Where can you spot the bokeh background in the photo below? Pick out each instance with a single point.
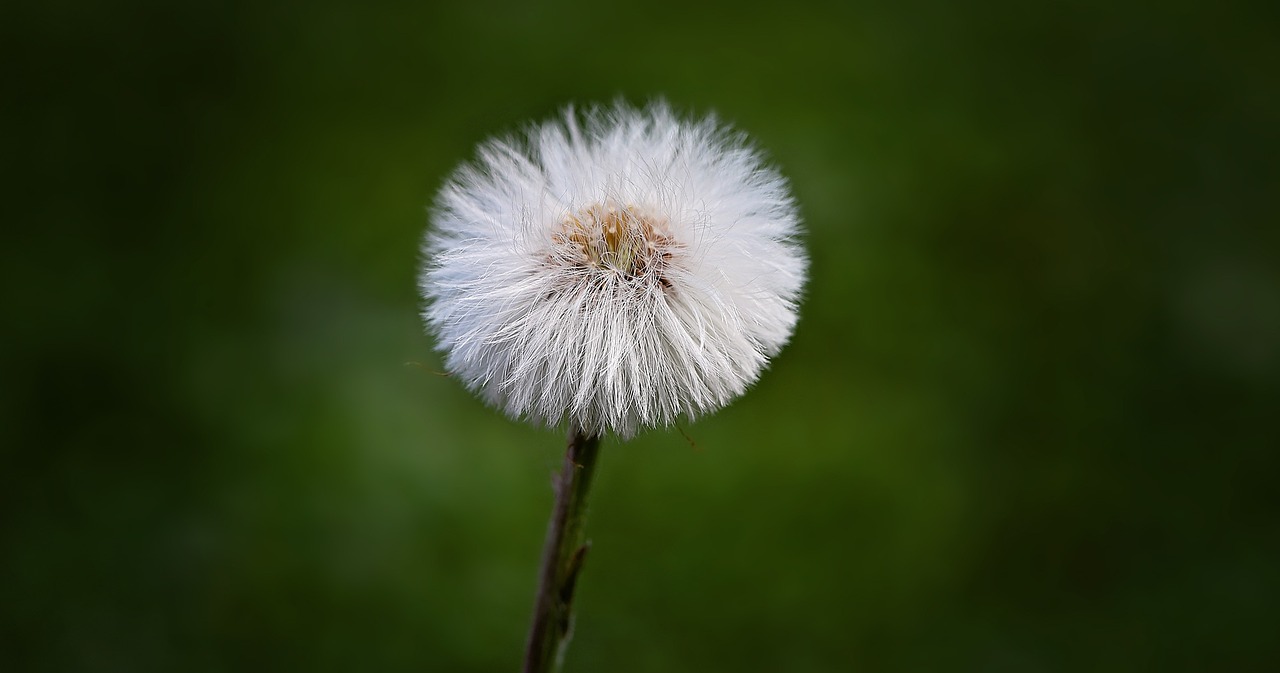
(1027, 422)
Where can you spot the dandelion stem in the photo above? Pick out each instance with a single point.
(562, 557)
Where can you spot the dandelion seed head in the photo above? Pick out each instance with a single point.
(616, 269)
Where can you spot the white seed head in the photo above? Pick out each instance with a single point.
(616, 269)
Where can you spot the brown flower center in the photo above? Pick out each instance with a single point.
(620, 238)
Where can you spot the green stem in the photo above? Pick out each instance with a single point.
(562, 557)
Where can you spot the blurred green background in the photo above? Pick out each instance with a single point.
(1027, 422)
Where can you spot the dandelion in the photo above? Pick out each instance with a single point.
(615, 270)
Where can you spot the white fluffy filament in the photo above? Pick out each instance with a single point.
(617, 270)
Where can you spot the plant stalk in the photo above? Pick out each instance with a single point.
(562, 556)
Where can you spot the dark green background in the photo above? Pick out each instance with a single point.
(1027, 421)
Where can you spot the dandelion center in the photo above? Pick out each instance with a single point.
(622, 239)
